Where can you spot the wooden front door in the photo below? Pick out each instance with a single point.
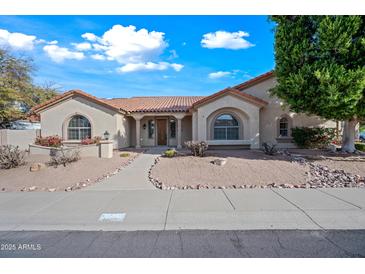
(161, 132)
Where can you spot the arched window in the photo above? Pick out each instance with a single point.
(284, 127)
(79, 128)
(226, 127)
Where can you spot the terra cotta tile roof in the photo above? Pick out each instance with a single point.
(155, 103)
(159, 103)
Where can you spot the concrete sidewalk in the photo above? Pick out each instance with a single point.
(142, 209)
(132, 177)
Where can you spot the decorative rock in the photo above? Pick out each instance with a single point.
(32, 188)
(52, 189)
(36, 167)
(219, 162)
(68, 189)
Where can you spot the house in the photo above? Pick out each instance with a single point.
(243, 116)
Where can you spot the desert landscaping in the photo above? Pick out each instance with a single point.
(73, 176)
(254, 169)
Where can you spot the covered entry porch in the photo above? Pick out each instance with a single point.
(160, 129)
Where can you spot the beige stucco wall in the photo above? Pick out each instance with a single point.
(270, 114)
(54, 120)
(20, 138)
(246, 112)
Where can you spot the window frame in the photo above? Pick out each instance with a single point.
(226, 128)
(286, 128)
(151, 128)
(78, 128)
(172, 130)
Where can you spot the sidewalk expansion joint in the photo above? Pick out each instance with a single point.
(298, 207)
(338, 198)
(230, 202)
(167, 210)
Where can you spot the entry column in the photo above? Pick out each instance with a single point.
(179, 117)
(138, 118)
(138, 132)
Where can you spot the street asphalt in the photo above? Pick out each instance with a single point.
(185, 244)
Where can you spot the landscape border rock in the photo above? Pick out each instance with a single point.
(319, 176)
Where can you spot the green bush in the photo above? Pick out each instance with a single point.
(124, 154)
(170, 153)
(317, 137)
(360, 146)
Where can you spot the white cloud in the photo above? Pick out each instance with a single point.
(219, 74)
(89, 36)
(15, 40)
(82, 46)
(128, 45)
(59, 54)
(98, 57)
(227, 40)
(149, 66)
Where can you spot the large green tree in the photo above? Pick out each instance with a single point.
(320, 68)
(17, 91)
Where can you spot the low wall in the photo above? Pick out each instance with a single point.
(102, 150)
(20, 138)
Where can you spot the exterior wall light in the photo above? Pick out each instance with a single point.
(106, 135)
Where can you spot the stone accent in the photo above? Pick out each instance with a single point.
(219, 162)
(318, 177)
(37, 167)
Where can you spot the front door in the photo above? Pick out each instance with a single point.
(161, 132)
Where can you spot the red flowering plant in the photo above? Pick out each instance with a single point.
(49, 141)
(90, 141)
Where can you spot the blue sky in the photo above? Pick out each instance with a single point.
(125, 56)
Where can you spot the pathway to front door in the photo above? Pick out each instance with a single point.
(133, 176)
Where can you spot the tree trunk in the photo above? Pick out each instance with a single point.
(348, 137)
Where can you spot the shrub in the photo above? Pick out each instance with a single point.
(305, 137)
(64, 157)
(197, 148)
(11, 157)
(360, 146)
(90, 141)
(49, 141)
(124, 154)
(269, 149)
(170, 153)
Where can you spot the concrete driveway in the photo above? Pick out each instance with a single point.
(246, 209)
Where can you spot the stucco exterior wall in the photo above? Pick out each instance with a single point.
(20, 138)
(54, 120)
(247, 113)
(271, 114)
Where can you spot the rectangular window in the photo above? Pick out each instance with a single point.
(85, 133)
(172, 128)
(232, 133)
(220, 133)
(151, 128)
(73, 134)
(283, 130)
